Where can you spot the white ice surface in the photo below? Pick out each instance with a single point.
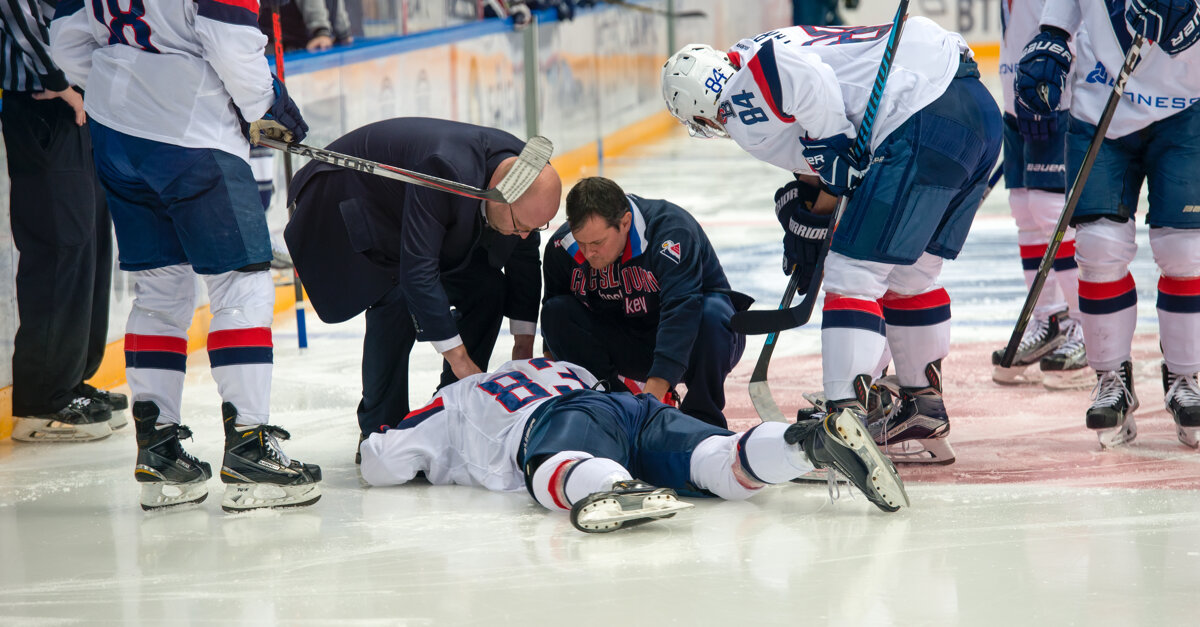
(76, 549)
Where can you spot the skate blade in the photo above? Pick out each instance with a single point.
(241, 497)
(1029, 374)
(1077, 379)
(1117, 436)
(161, 494)
(605, 515)
(819, 475)
(889, 493)
(118, 420)
(46, 430)
(935, 451)
(1189, 436)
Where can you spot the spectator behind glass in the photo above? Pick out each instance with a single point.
(311, 25)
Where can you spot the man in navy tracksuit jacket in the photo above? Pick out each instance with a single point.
(634, 288)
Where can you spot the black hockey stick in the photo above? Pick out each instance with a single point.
(771, 321)
(625, 4)
(760, 390)
(530, 162)
(301, 327)
(1132, 58)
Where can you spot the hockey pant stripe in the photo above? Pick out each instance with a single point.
(1179, 294)
(1105, 298)
(852, 313)
(921, 310)
(160, 352)
(1064, 257)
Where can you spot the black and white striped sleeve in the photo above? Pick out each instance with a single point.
(25, 52)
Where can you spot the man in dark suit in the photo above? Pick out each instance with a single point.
(424, 264)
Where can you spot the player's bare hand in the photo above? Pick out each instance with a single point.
(460, 362)
(522, 347)
(71, 97)
(319, 43)
(658, 387)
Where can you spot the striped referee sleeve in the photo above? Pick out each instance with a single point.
(25, 63)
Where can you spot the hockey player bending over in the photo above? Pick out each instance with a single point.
(612, 460)
(169, 88)
(793, 97)
(1153, 138)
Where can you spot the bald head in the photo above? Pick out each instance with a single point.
(539, 204)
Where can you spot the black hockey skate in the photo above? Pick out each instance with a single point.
(876, 398)
(1066, 367)
(115, 400)
(256, 472)
(80, 421)
(1111, 413)
(628, 504)
(1040, 339)
(1181, 393)
(168, 474)
(840, 441)
(916, 430)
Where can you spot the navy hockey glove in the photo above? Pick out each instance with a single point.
(830, 158)
(1042, 71)
(1172, 24)
(1035, 127)
(284, 113)
(804, 231)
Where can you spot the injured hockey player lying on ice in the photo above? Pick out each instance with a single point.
(611, 460)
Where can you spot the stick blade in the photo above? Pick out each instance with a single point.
(534, 156)
(764, 403)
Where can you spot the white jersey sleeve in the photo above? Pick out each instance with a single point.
(470, 432)
(815, 81)
(1161, 86)
(170, 70)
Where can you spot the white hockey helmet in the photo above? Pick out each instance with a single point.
(692, 80)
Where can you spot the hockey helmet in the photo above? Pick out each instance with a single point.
(692, 80)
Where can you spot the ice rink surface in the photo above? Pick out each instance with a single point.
(1033, 525)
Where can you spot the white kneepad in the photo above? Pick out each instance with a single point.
(1176, 251)
(1104, 248)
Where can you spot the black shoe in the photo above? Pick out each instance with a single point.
(840, 441)
(628, 504)
(1112, 407)
(115, 400)
(79, 421)
(258, 474)
(168, 474)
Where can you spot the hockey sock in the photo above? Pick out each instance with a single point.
(735, 467)
(1108, 312)
(239, 341)
(156, 337)
(569, 476)
(852, 341)
(1179, 322)
(918, 332)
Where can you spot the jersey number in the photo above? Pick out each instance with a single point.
(833, 35)
(514, 390)
(119, 20)
(749, 114)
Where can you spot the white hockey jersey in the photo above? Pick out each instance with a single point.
(168, 70)
(469, 434)
(816, 80)
(1020, 21)
(1161, 85)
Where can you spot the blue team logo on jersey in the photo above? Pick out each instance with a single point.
(671, 251)
(724, 112)
(1099, 75)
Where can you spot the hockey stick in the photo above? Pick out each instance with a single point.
(771, 321)
(1132, 58)
(625, 4)
(301, 327)
(530, 162)
(760, 390)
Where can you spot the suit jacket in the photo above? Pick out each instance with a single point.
(355, 236)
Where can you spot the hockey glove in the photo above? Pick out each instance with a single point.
(1042, 71)
(1034, 127)
(804, 231)
(284, 112)
(830, 159)
(1173, 24)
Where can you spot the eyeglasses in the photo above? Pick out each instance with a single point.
(516, 229)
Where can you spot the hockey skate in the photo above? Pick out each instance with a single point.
(1066, 367)
(1041, 338)
(875, 397)
(916, 430)
(1111, 413)
(168, 474)
(1181, 393)
(840, 442)
(256, 472)
(79, 421)
(627, 504)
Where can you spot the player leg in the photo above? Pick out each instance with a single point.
(715, 352)
(1172, 157)
(219, 220)
(1104, 248)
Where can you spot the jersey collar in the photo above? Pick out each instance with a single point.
(636, 245)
